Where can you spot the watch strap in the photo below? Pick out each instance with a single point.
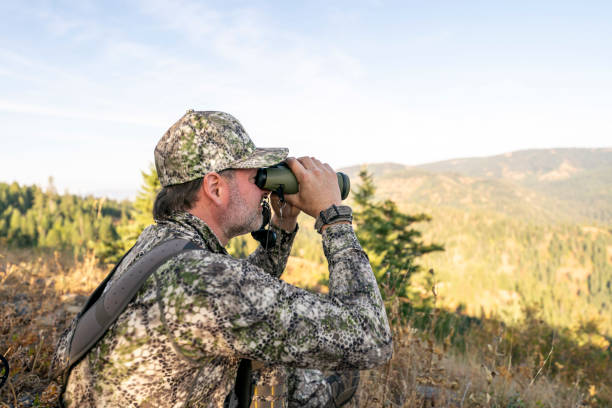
(332, 215)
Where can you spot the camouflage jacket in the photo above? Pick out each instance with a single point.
(180, 340)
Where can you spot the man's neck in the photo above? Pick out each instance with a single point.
(211, 222)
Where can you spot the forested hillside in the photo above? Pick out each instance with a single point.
(33, 217)
(528, 228)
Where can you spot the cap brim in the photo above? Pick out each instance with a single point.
(262, 157)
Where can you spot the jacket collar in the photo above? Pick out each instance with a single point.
(193, 225)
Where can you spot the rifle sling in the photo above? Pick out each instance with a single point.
(103, 308)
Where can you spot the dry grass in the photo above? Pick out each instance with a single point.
(424, 373)
(41, 292)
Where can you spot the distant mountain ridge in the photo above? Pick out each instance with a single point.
(544, 165)
(562, 185)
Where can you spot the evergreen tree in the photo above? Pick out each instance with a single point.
(54, 237)
(389, 239)
(143, 205)
(14, 230)
(142, 215)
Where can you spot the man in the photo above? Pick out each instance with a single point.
(182, 338)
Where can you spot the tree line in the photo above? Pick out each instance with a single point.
(33, 217)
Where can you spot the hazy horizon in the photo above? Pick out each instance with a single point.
(130, 194)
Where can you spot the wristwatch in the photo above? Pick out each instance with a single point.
(332, 215)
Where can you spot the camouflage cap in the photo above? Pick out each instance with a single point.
(201, 142)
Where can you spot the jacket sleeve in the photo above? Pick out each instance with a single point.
(274, 260)
(218, 305)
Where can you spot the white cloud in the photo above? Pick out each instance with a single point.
(257, 49)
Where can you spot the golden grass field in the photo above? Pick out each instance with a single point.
(41, 292)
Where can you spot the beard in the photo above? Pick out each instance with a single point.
(239, 219)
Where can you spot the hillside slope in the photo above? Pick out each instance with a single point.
(526, 228)
(581, 178)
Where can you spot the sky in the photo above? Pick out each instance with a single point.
(87, 88)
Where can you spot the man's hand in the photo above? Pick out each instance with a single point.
(285, 215)
(318, 186)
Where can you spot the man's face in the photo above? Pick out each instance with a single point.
(244, 212)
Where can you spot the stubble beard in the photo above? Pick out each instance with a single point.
(239, 219)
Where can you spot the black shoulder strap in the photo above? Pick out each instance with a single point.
(242, 393)
(244, 386)
(102, 309)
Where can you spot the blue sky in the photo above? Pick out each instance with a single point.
(87, 88)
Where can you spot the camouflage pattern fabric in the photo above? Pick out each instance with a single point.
(180, 340)
(308, 388)
(201, 142)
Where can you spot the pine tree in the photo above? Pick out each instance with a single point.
(142, 216)
(14, 229)
(143, 205)
(389, 239)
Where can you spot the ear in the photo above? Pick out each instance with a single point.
(214, 188)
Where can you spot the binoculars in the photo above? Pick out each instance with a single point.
(280, 179)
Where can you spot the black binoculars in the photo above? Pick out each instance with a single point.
(280, 179)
